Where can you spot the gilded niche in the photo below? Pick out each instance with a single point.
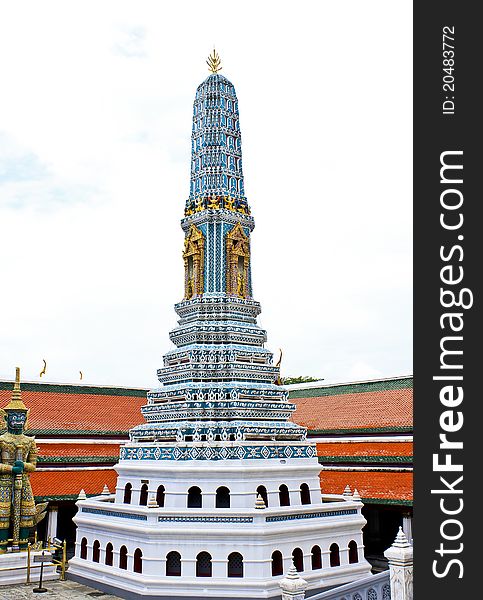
(237, 262)
(193, 256)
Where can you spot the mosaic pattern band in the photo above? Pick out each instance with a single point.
(311, 515)
(183, 453)
(114, 513)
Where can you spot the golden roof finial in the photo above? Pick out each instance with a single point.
(214, 62)
(16, 393)
(16, 402)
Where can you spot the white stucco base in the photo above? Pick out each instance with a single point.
(13, 568)
(252, 532)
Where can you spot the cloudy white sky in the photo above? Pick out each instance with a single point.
(95, 123)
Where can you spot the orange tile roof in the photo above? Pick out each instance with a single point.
(365, 449)
(70, 482)
(364, 410)
(68, 450)
(52, 411)
(74, 408)
(387, 485)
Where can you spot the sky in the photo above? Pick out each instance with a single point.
(95, 125)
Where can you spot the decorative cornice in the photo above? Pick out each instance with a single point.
(218, 216)
(388, 501)
(366, 459)
(65, 460)
(354, 388)
(361, 430)
(60, 388)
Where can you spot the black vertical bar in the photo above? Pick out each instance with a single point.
(41, 571)
(446, 119)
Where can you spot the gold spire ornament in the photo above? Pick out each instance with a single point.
(16, 402)
(214, 62)
(44, 370)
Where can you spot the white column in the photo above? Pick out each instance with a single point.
(408, 526)
(52, 521)
(400, 557)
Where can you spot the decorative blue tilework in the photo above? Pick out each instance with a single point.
(183, 453)
(205, 519)
(114, 513)
(313, 515)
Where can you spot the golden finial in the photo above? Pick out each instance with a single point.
(43, 371)
(16, 394)
(16, 402)
(214, 62)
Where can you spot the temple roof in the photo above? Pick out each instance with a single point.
(390, 487)
(66, 484)
(366, 412)
(79, 410)
(384, 405)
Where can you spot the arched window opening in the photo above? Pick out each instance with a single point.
(96, 551)
(127, 493)
(304, 494)
(316, 558)
(173, 564)
(222, 497)
(353, 554)
(235, 565)
(160, 495)
(203, 565)
(143, 497)
(277, 563)
(83, 552)
(262, 490)
(334, 555)
(123, 557)
(194, 497)
(298, 559)
(284, 495)
(138, 561)
(109, 555)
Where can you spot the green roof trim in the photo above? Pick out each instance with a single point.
(73, 432)
(61, 497)
(389, 501)
(77, 459)
(366, 459)
(60, 388)
(356, 430)
(354, 388)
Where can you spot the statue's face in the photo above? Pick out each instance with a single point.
(16, 421)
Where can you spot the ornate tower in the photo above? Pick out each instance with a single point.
(218, 491)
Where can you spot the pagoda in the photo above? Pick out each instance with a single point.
(218, 491)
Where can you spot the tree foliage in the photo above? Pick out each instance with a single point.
(300, 379)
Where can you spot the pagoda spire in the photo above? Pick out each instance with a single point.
(216, 180)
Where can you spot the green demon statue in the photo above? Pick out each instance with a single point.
(18, 458)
